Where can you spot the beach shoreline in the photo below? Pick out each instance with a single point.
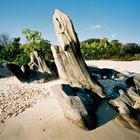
(44, 119)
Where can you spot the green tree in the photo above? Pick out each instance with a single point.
(12, 50)
(34, 42)
(131, 49)
(115, 43)
(32, 36)
(4, 40)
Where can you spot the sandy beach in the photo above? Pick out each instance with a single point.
(32, 112)
(121, 66)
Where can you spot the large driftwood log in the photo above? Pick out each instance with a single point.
(70, 64)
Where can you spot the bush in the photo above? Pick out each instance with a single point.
(16, 52)
(103, 49)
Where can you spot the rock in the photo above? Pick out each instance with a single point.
(37, 71)
(26, 70)
(4, 72)
(15, 70)
(38, 63)
(135, 96)
(41, 70)
(128, 122)
(68, 58)
(111, 74)
(76, 105)
(128, 105)
(134, 81)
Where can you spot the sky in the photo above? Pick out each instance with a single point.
(114, 19)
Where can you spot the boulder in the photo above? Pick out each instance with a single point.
(134, 81)
(76, 105)
(68, 58)
(128, 105)
(4, 72)
(26, 70)
(37, 71)
(41, 70)
(15, 70)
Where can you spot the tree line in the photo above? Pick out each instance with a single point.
(12, 50)
(115, 50)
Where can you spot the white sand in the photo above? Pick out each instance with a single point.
(45, 121)
(122, 66)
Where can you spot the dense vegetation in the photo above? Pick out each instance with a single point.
(12, 50)
(103, 49)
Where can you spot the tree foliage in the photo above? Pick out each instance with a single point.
(4, 40)
(20, 53)
(10, 52)
(13, 50)
(34, 43)
(103, 49)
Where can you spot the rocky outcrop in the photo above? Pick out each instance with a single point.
(41, 70)
(134, 81)
(128, 105)
(4, 72)
(70, 64)
(106, 73)
(37, 71)
(15, 70)
(38, 63)
(76, 105)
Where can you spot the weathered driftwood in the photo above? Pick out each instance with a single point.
(70, 64)
(76, 105)
(129, 108)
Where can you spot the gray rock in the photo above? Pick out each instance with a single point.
(77, 106)
(128, 105)
(134, 81)
(4, 72)
(15, 70)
